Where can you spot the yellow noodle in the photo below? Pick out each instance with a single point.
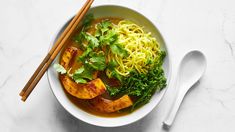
(140, 46)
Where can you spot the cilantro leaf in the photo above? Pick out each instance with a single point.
(78, 38)
(80, 80)
(81, 74)
(87, 74)
(80, 70)
(115, 74)
(119, 50)
(97, 61)
(105, 37)
(85, 54)
(109, 38)
(112, 64)
(111, 67)
(104, 26)
(87, 20)
(93, 41)
(59, 68)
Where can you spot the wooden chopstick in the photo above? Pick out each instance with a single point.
(52, 49)
(54, 52)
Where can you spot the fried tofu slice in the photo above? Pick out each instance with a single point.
(109, 106)
(89, 90)
(67, 56)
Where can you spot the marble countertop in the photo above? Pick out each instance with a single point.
(27, 28)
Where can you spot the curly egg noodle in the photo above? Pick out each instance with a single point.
(141, 48)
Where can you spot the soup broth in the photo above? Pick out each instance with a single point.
(132, 69)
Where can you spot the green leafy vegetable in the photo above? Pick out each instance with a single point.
(142, 86)
(112, 64)
(81, 74)
(112, 91)
(119, 50)
(78, 38)
(111, 67)
(116, 75)
(85, 54)
(80, 80)
(108, 36)
(87, 20)
(97, 61)
(103, 27)
(59, 68)
(93, 41)
(105, 36)
(80, 70)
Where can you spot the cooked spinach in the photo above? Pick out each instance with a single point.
(142, 86)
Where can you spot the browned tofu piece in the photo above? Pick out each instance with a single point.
(89, 90)
(67, 56)
(108, 106)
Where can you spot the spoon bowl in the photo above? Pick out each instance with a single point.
(191, 68)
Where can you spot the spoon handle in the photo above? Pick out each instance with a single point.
(179, 98)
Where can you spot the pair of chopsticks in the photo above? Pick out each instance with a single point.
(42, 68)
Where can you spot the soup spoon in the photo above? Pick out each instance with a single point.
(190, 71)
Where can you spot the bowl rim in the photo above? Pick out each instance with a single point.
(58, 31)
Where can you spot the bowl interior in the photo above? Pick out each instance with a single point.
(121, 12)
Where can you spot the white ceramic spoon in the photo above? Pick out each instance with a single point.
(190, 71)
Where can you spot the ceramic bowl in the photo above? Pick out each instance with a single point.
(57, 89)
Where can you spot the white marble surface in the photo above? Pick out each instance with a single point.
(27, 28)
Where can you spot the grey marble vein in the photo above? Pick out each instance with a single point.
(227, 40)
(5, 81)
(222, 92)
(20, 67)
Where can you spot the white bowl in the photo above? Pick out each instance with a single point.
(126, 13)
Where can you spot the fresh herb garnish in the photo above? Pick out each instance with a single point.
(105, 37)
(59, 68)
(113, 73)
(103, 27)
(87, 20)
(81, 74)
(112, 64)
(93, 42)
(97, 61)
(119, 50)
(109, 37)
